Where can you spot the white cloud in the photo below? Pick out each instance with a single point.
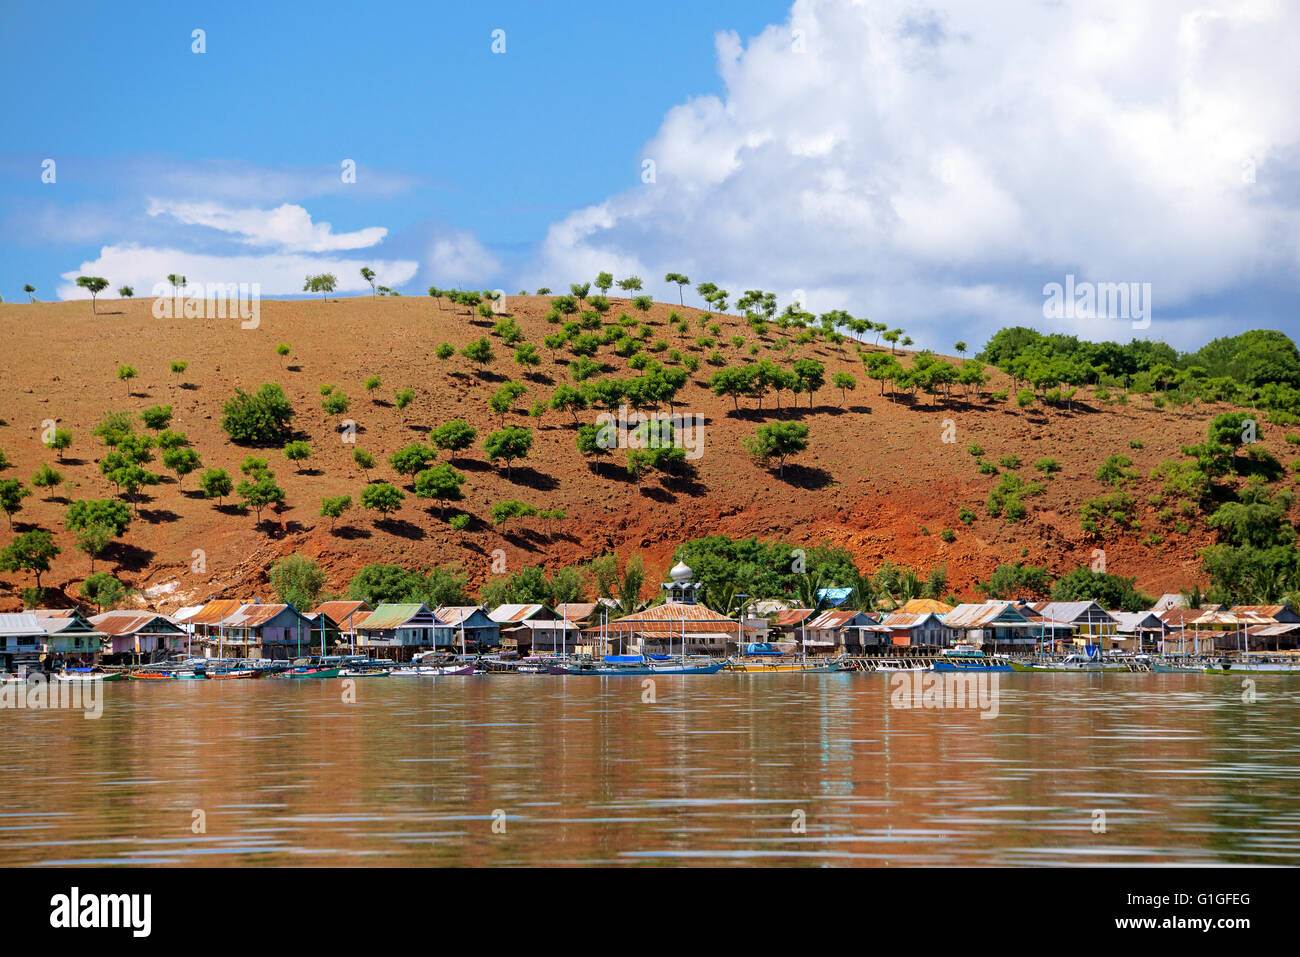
(938, 166)
(287, 226)
(278, 273)
(458, 260)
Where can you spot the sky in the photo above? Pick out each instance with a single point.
(934, 166)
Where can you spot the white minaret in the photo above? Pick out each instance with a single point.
(681, 589)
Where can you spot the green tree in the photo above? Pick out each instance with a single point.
(479, 352)
(59, 440)
(778, 440)
(182, 460)
(46, 477)
(333, 507)
(12, 493)
(94, 538)
(846, 383)
(442, 482)
(297, 581)
(126, 373)
(103, 591)
(93, 285)
(259, 491)
(512, 442)
(157, 417)
(216, 483)
(297, 452)
(323, 284)
(682, 281)
(382, 497)
(30, 552)
(261, 418)
(454, 436)
(368, 275)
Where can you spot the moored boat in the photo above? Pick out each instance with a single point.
(626, 665)
(964, 657)
(781, 665)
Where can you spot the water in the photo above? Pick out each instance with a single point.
(724, 769)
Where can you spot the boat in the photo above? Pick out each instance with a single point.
(313, 672)
(364, 673)
(233, 673)
(1253, 665)
(433, 671)
(783, 665)
(1079, 662)
(962, 658)
(624, 665)
(161, 675)
(88, 674)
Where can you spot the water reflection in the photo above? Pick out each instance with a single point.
(810, 769)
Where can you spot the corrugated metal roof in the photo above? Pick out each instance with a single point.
(791, 618)
(505, 613)
(187, 612)
(215, 612)
(834, 618)
(20, 624)
(983, 614)
(396, 615)
(256, 615)
(455, 614)
(338, 611)
(576, 611)
(53, 612)
(135, 622)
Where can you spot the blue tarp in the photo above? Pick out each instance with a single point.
(761, 648)
(833, 596)
(623, 659)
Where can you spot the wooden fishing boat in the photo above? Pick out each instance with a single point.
(160, 675)
(313, 672)
(363, 673)
(434, 671)
(623, 665)
(233, 673)
(1254, 665)
(964, 658)
(782, 666)
(88, 674)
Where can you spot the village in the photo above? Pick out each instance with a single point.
(239, 629)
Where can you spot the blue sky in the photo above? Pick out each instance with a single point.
(932, 165)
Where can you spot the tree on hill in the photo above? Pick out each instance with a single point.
(297, 452)
(94, 285)
(383, 498)
(454, 436)
(442, 482)
(364, 461)
(297, 580)
(368, 275)
(479, 352)
(512, 442)
(261, 418)
(323, 284)
(410, 459)
(682, 281)
(103, 591)
(30, 290)
(604, 281)
(182, 460)
(503, 400)
(811, 375)
(845, 382)
(125, 373)
(12, 493)
(630, 284)
(779, 441)
(59, 440)
(260, 491)
(216, 483)
(30, 552)
(1107, 590)
(333, 507)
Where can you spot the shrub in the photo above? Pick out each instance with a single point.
(1047, 466)
(258, 419)
(966, 516)
(459, 522)
(975, 450)
(948, 535)
(1107, 513)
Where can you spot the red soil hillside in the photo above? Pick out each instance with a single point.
(876, 476)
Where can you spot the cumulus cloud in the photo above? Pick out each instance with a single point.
(279, 273)
(287, 226)
(935, 166)
(458, 259)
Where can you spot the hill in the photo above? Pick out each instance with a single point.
(878, 477)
